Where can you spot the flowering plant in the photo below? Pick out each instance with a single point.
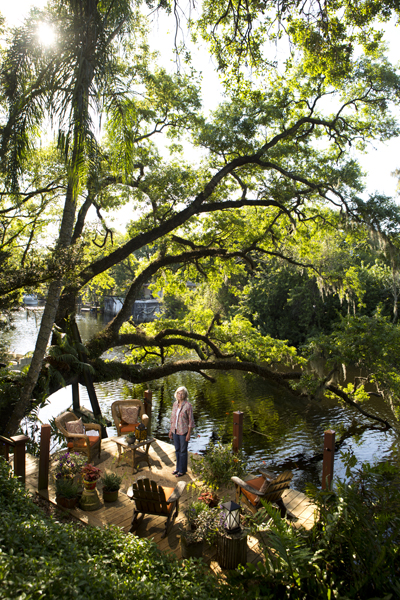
(90, 472)
(192, 512)
(68, 465)
(204, 527)
(209, 497)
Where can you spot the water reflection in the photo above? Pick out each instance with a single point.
(277, 426)
(22, 338)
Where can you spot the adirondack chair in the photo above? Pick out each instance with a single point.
(268, 487)
(153, 499)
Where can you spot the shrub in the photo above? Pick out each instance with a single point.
(41, 558)
(351, 553)
(218, 465)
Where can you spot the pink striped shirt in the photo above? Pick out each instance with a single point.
(185, 417)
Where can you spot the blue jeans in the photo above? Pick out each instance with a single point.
(181, 449)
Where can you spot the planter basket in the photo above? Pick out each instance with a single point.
(192, 550)
(66, 502)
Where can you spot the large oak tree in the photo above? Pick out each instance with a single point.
(271, 159)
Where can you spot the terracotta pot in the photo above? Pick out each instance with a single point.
(110, 496)
(66, 502)
(214, 502)
(89, 485)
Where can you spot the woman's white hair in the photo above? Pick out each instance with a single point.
(182, 389)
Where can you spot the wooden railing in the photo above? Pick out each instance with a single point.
(18, 443)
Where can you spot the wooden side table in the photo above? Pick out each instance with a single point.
(232, 549)
(139, 451)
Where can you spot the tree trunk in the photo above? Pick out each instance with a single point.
(53, 297)
(22, 408)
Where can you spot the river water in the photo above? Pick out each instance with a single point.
(277, 426)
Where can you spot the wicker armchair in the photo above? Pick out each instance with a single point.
(122, 426)
(79, 442)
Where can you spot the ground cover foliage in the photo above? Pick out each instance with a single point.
(352, 553)
(42, 558)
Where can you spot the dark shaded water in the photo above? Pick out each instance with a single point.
(286, 426)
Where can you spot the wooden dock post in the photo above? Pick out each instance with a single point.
(44, 457)
(329, 455)
(19, 455)
(237, 430)
(148, 407)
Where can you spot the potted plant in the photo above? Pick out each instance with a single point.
(192, 512)
(130, 437)
(111, 484)
(90, 475)
(67, 493)
(202, 526)
(69, 466)
(218, 465)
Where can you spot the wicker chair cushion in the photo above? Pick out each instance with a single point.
(74, 426)
(128, 428)
(93, 439)
(129, 414)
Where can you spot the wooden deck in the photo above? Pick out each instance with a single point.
(119, 513)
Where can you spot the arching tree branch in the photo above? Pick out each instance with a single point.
(348, 400)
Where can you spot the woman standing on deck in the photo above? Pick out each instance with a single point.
(182, 423)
